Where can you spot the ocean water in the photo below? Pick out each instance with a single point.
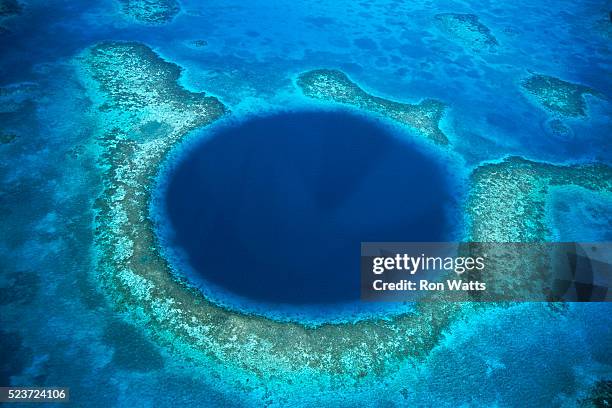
(58, 329)
(274, 208)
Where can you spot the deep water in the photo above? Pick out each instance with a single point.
(274, 209)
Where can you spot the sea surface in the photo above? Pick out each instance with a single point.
(57, 328)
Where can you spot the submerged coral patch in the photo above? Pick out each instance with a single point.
(15, 356)
(131, 349)
(467, 30)
(18, 287)
(335, 86)
(556, 95)
(9, 8)
(6, 138)
(567, 204)
(600, 395)
(15, 101)
(151, 11)
(16, 96)
(557, 128)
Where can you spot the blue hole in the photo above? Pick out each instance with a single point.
(274, 209)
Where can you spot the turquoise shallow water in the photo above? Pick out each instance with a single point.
(58, 329)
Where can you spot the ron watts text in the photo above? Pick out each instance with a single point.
(425, 285)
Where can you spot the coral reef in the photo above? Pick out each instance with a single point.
(508, 203)
(132, 87)
(466, 30)
(508, 199)
(142, 112)
(333, 85)
(151, 11)
(557, 96)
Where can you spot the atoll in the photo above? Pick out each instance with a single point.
(141, 113)
(466, 30)
(558, 96)
(336, 86)
(151, 11)
(131, 87)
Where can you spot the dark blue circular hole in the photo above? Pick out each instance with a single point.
(274, 209)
